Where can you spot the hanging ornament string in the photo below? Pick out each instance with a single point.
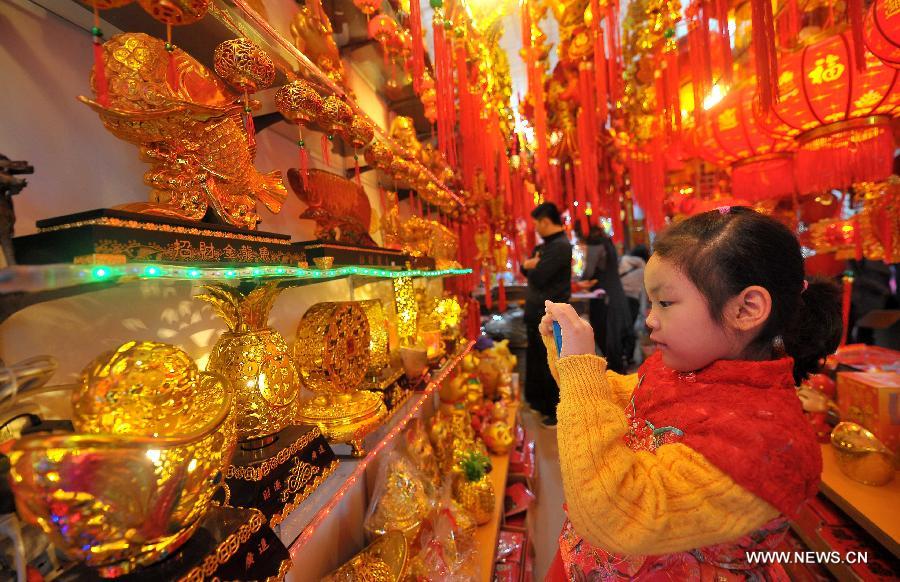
(172, 73)
(101, 85)
(304, 158)
(418, 49)
(356, 167)
(325, 143)
(248, 121)
(724, 40)
(763, 30)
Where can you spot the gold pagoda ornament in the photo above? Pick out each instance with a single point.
(332, 356)
(255, 358)
(153, 436)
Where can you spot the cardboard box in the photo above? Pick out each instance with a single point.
(872, 399)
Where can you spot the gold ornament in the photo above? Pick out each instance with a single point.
(498, 437)
(861, 456)
(384, 560)
(255, 358)
(190, 131)
(176, 12)
(332, 356)
(403, 503)
(379, 155)
(336, 116)
(407, 309)
(299, 102)
(313, 35)
(361, 132)
(153, 438)
(474, 492)
(420, 451)
(243, 65)
(378, 336)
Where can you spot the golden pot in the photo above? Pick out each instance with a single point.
(127, 498)
(861, 456)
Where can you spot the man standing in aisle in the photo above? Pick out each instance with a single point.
(549, 272)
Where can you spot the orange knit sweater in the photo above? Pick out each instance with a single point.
(638, 502)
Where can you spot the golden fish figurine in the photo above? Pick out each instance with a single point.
(189, 129)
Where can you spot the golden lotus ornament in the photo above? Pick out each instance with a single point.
(189, 129)
(332, 356)
(256, 360)
(153, 436)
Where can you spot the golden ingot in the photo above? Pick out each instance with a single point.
(332, 348)
(128, 497)
(861, 456)
(361, 132)
(403, 504)
(244, 65)
(176, 12)
(189, 129)
(384, 560)
(255, 359)
(336, 116)
(378, 336)
(299, 102)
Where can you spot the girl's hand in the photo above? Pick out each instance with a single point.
(577, 334)
(546, 325)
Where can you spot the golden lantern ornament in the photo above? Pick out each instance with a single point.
(335, 117)
(247, 68)
(300, 103)
(360, 134)
(332, 356)
(379, 155)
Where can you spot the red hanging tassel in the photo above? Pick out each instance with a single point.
(501, 296)
(763, 30)
(600, 70)
(488, 294)
(855, 12)
(249, 128)
(725, 40)
(101, 86)
(845, 307)
(326, 150)
(304, 167)
(418, 50)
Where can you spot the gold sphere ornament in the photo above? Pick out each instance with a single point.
(379, 155)
(299, 102)
(176, 12)
(255, 358)
(361, 132)
(336, 115)
(243, 65)
(153, 438)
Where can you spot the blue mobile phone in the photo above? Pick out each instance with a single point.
(557, 337)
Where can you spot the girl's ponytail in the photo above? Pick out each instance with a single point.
(815, 328)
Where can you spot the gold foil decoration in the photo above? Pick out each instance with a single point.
(384, 560)
(176, 12)
(255, 358)
(407, 309)
(190, 131)
(332, 356)
(861, 456)
(378, 336)
(153, 438)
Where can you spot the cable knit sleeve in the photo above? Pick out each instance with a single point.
(621, 386)
(638, 502)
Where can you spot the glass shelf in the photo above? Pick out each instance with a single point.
(35, 278)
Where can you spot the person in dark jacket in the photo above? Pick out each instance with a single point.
(609, 314)
(549, 273)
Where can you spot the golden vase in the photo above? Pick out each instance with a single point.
(255, 359)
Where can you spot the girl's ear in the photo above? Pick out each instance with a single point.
(749, 310)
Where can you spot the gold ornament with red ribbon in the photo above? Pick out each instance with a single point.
(360, 134)
(334, 117)
(300, 103)
(247, 68)
(175, 13)
(100, 83)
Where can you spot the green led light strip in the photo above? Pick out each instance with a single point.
(97, 273)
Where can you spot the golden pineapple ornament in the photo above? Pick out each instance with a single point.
(255, 358)
(474, 492)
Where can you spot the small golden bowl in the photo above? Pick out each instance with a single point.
(323, 262)
(861, 456)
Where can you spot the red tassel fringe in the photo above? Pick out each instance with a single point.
(855, 13)
(101, 85)
(501, 296)
(304, 167)
(418, 50)
(845, 308)
(843, 162)
(763, 30)
(326, 150)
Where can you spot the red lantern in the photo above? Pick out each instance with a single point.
(367, 7)
(839, 116)
(882, 31)
(383, 28)
(762, 165)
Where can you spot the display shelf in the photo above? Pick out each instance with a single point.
(300, 526)
(875, 509)
(487, 536)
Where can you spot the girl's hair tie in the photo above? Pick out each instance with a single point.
(723, 210)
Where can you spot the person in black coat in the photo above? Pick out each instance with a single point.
(549, 273)
(610, 316)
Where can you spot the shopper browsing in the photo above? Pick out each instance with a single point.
(702, 455)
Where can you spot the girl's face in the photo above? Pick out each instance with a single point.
(679, 320)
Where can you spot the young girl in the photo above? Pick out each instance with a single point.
(678, 471)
